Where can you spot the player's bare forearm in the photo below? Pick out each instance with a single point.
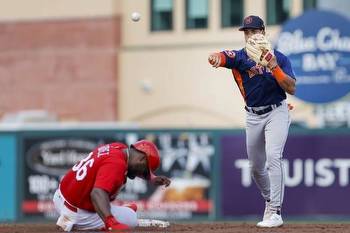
(100, 200)
(287, 84)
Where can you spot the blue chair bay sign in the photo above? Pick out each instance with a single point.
(318, 46)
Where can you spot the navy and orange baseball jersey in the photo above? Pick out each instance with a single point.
(107, 169)
(256, 83)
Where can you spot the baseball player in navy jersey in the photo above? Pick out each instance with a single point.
(263, 76)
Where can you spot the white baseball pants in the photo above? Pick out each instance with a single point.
(85, 220)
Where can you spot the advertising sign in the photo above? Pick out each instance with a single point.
(318, 46)
(186, 160)
(45, 161)
(316, 177)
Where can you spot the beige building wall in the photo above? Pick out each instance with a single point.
(166, 79)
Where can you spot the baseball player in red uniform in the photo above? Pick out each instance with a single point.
(85, 192)
(263, 76)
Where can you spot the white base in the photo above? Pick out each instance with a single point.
(153, 223)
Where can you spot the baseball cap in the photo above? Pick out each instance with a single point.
(252, 22)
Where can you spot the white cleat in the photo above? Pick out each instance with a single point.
(268, 211)
(275, 220)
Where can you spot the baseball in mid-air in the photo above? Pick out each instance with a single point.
(135, 16)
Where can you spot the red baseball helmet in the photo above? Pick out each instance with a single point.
(151, 152)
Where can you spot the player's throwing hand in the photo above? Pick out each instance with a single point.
(216, 59)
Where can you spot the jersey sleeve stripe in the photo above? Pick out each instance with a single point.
(239, 80)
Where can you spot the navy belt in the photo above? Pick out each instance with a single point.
(263, 111)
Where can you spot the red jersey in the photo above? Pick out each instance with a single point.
(105, 168)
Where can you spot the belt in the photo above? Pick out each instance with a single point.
(69, 206)
(263, 111)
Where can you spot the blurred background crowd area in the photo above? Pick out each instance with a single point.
(87, 61)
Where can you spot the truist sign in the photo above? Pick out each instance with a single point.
(318, 46)
(317, 176)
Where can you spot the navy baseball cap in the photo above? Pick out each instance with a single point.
(252, 22)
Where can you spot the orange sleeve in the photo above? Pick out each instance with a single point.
(217, 55)
(222, 59)
(279, 74)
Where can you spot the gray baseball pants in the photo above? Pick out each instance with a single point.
(266, 136)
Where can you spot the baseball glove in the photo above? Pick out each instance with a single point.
(259, 49)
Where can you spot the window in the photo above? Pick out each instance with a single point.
(196, 14)
(231, 13)
(161, 15)
(277, 11)
(309, 4)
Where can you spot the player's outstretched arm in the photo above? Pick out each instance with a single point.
(217, 60)
(100, 200)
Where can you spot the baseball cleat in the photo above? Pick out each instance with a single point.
(268, 211)
(275, 220)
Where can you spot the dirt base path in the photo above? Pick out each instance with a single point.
(215, 227)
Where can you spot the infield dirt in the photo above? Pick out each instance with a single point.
(215, 227)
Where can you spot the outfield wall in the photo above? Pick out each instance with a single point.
(208, 168)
